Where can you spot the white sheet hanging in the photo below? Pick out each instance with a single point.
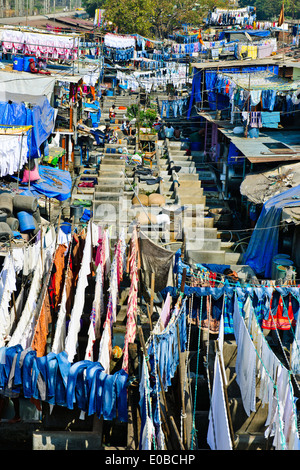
(218, 436)
(13, 153)
(7, 287)
(77, 310)
(245, 362)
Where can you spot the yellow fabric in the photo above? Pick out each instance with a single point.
(252, 51)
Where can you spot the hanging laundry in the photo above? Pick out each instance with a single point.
(74, 325)
(132, 303)
(39, 341)
(218, 435)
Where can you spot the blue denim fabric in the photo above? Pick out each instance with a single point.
(39, 378)
(108, 399)
(76, 386)
(268, 99)
(258, 306)
(62, 378)
(162, 350)
(97, 401)
(173, 359)
(180, 106)
(18, 369)
(165, 105)
(174, 105)
(27, 373)
(51, 370)
(91, 379)
(5, 368)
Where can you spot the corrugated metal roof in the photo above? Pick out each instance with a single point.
(238, 63)
(256, 151)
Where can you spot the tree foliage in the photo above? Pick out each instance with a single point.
(269, 11)
(130, 16)
(152, 18)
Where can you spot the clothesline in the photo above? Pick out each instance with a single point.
(28, 341)
(280, 393)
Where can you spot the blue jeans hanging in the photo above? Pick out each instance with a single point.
(174, 105)
(165, 106)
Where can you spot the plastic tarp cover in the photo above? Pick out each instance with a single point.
(54, 183)
(263, 245)
(25, 87)
(263, 33)
(40, 117)
(210, 79)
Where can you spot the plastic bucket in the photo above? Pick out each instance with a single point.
(27, 221)
(26, 63)
(283, 260)
(77, 157)
(18, 63)
(281, 272)
(76, 212)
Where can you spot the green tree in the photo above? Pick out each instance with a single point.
(171, 14)
(269, 11)
(153, 18)
(91, 5)
(130, 16)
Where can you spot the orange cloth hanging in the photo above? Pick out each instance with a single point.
(200, 37)
(59, 262)
(39, 341)
(283, 318)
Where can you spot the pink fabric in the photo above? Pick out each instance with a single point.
(165, 314)
(132, 302)
(32, 175)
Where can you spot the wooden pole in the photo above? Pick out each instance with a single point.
(152, 298)
(177, 433)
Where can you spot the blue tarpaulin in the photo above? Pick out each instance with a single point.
(210, 81)
(41, 117)
(54, 183)
(262, 33)
(263, 245)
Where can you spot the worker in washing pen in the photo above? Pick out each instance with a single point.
(112, 113)
(42, 66)
(32, 66)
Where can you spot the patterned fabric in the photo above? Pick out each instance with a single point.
(132, 301)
